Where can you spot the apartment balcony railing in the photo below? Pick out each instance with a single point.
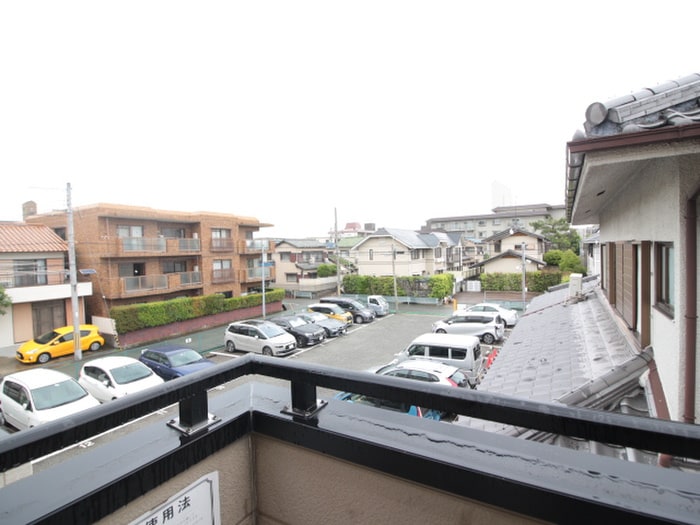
(227, 275)
(305, 459)
(250, 275)
(152, 246)
(190, 278)
(145, 283)
(222, 244)
(26, 279)
(254, 246)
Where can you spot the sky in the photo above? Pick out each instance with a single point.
(308, 114)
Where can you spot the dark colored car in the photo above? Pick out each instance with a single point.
(171, 362)
(305, 333)
(360, 313)
(396, 406)
(333, 327)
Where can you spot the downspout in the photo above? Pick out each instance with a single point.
(691, 314)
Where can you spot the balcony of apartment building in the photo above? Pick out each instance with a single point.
(254, 246)
(149, 284)
(150, 246)
(263, 440)
(256, 273)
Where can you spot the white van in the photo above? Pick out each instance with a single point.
(462, 351)
(378, 304)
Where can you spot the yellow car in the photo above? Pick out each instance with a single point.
(59, 342)
(333, 311)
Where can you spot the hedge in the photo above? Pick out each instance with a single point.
(438, 286)
(133, 317)
(509, 282)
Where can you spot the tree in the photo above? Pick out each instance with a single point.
(559, 233)
(5, 301)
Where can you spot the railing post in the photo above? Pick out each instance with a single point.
(305, 404)
(193, 414)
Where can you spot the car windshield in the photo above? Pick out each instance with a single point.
(271, 330)
(337, 309)
(459, 378)
(185, 357)
(316, 316)
(130, 373)
(297, 321)
(47, 337)
(57, 394)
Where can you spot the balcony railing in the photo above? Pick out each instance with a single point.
(25, 279)
(144, 244)
(226, 275)
(523, 479)
(222, 244)
(190, 278)
(145, 283)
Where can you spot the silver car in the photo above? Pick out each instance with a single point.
(487, 328)
(262, 337)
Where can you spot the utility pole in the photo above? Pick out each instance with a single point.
(337, 253)
(393, 271)
(524, 283)
(75, 307)
(262, 268)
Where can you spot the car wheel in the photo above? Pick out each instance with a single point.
(267, 351)
(358, 319)
(95, 346)
(440, 331)
(230, 347)
(300, 342)
(488, 339)
(43, 358)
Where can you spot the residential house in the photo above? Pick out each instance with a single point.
(296, 266)
(135, 254)
(635, 171)
(34, 272)
(508, 250)
(502, 218)
(390, 251)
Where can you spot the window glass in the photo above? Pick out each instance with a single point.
(439, 351)
(459, 353)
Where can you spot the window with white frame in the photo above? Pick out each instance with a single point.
(664, 262)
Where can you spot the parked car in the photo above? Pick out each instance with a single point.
(510, 317)
(398, 406)
(461, 351)
(360, 313)
(305, 333)
(486, 327)
(34, 397)
(425, 370)
(111, 377)
(171, 362)
(333, 311)
(378, 304)
(59, 342)
(333, 327)
(262, 337)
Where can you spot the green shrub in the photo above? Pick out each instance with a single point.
(158, 313)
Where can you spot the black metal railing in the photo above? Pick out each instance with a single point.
(665, 437)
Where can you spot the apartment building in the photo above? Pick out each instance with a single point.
(34, 275)
(137, 254)
(501, 218)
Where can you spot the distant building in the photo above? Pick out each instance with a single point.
(34, 274)
(503, 217)
(138, 254)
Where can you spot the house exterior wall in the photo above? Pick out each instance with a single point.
(374, 258)
(651, 209)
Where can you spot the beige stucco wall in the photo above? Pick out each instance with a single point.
(651, 208)
(295, 485)
(235, 487)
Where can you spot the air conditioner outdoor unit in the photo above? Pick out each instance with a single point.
(575, 284)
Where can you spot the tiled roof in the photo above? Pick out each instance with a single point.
(414, 239)
(563, 350)
(19, 237)
(673, 103)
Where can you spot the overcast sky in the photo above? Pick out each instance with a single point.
(386, 112)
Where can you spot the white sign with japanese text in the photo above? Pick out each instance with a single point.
(197, 504)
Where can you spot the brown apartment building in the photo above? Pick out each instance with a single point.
(135, 254)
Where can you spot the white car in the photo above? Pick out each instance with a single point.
(510, 317)
(112, 377)
(487, 327)
(34, 397)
